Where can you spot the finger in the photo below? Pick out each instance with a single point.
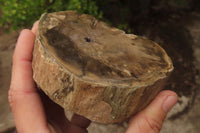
(150, 119)
(23, 97)
(35, 27)
(80, 121)
(22, 66)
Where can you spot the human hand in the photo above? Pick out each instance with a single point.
(34, 112)
(150, 120)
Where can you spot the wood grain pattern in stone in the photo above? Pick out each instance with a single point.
(96, 70)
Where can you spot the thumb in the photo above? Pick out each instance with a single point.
(150, 119)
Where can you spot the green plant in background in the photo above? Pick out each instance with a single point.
(120, 13)
(19, 13)
(85, 6)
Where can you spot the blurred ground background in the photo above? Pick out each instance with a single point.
(174, 24)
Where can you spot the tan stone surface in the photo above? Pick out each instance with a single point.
(96, 70)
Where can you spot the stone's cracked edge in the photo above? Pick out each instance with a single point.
(100, 102)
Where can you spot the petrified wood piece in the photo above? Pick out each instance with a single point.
(95, 70)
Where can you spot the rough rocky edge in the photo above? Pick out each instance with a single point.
(96, 70)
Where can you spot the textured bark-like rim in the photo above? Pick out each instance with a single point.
(103, 100)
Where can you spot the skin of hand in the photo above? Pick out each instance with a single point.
(34, 112)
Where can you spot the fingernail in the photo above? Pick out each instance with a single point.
(34, 28)
(169, 103)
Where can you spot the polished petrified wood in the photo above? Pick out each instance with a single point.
(96, 70)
